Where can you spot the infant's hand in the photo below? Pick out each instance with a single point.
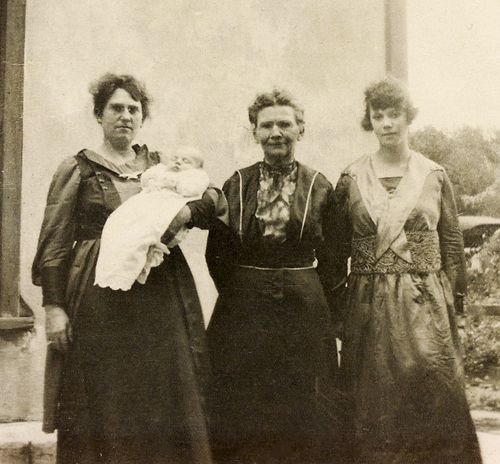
(156, 252)
(154, 259)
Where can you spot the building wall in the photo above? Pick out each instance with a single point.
(203, 63)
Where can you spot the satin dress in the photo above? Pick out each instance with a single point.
(401, 354)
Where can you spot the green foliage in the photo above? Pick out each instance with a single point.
(483, 396)
(495, 146)
(485, 203)
(481, 343)
(483, 273)
(467, 156)
(481, 335)
(432, 143)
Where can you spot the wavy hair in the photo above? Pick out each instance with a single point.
(106, 85)
(387, 93)
(277, 97)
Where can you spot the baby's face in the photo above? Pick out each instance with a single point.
(182, 163)
(182, 160)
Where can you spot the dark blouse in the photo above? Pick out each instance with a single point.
(77, 208)
(309, 231)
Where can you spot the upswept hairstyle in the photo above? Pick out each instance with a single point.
(278, 97)
(387, 93)
(105, 86)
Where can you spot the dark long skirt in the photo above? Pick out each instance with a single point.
(274, 360)
(131, 390)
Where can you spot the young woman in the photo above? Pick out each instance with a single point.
(396, 219)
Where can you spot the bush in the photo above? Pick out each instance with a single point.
(483, 397)
(483, 273)
(481, 344)
(484, 203)
(468, 157)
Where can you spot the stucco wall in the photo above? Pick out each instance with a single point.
(203, 62)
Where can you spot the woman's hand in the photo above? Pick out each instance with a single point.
(57, 328)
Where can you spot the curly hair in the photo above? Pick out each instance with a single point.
(278, 97)
(387, 93)
(105, 86)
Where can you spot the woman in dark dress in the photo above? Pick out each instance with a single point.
(271, 337)
(125, 370)
(397, 221)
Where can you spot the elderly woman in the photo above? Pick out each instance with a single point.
(271, 337)
(396, 219)
(132, 363)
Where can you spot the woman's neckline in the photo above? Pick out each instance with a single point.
(380, 176)
(135, 166)
(397, 170)
(116, 157)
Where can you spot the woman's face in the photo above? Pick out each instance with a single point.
(390, 126)
(277, 132)
(121, 119)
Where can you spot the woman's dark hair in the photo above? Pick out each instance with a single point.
(387, 93)
(105, 86)
(278, 97)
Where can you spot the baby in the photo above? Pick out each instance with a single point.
(131, 238)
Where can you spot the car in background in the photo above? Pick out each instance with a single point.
(477, 229)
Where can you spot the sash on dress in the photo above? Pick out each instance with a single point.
(389, 212)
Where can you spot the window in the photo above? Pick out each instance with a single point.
(14, 312)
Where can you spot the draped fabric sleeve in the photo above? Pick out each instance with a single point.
(220, 253)
(342, 235)
(451, 243)
(57, 235)
(203, 210)
(325, 251)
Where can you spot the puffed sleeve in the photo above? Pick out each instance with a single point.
(451, 243)
(57, 234)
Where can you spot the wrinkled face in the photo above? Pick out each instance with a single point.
(390, 126)
(277, 132)
(121, 119)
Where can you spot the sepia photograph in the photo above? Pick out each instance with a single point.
(250, 232)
